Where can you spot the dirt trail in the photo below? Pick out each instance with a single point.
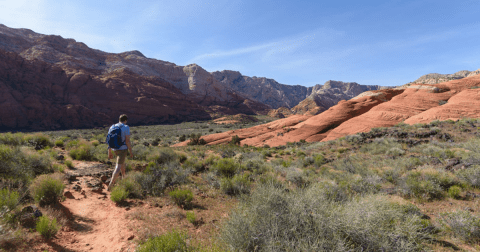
(95, 223)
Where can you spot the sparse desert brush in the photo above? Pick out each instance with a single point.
(12, 139)
(83, 151)
(275, 220)
(155, 179)
(464, 225)
(162, 156)
(182, 197)
(8, 199)
(172, 241)
(47, 189)
(22, 163)
(118, 194)
(428, 183)
(194, 164)
(226, 167)
(69, 164)
(239, 184)
(471, 176)
(131, 185)
(46, 227)
(59, 143)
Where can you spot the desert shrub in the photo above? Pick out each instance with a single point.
(95, 143)
(380, 146)
(170, 242)
(12, 139)
(59, 143)
(100, 152)
(239, 184)
(69, 164)
(40, 141)
(182, 197)
(212, 179)
(296, 177)
(454, 192)
(191, 217)
(141, 152)
(235, 140)
(226, 167)
(46, 227)
(58, 167)
(8, 199)
(470, 175)
(395, 152)
(83, 151)
(195, 139)
(428, 183)
(38, 163)
(157, 178)
(194, 164)
(73, 143)
(118, 194)
(20, 164)
(275, 220)
(319, 160)
(464, 225)
(256, 166)
(47, 189)
(131, 185)
(182, 138)
(163, 156)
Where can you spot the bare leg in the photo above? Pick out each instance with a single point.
(115, 175)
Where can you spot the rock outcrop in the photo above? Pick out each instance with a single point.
(325, 96)
(264, 90)
(415, 103)
(37, 95)
(77, 86)
(435, 78)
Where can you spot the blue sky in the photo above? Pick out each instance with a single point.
(294, 42)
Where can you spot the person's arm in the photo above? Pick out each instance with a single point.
(110, 155)
(127, 141)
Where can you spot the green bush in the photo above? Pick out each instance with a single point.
(305, 220)
(47, 189)
(454, 192)
(227, 167)
(39, 140)
(195, 139)
(46, 227)
(169, 242)
(8, 199)
(163, 156)
(69, 164)
(191, 217)
(239, 184)
(194, 164)
(470, 175)
(131, 186)
(118, 194)
(12, 139)
(182, 197)
(464, 225)
(84, 151)
(59, 143)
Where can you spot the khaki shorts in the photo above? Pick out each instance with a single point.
(121, 154)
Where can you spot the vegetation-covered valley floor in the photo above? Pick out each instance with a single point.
(403, 188)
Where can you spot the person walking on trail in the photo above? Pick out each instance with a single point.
(120, 144)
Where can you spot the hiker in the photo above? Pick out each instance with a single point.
(118, 139)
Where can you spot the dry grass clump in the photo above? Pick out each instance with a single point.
(305, 220)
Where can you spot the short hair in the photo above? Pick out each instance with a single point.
(123, 118)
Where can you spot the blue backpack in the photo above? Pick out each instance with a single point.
(114, 137)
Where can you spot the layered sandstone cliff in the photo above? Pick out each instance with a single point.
(415, 103)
